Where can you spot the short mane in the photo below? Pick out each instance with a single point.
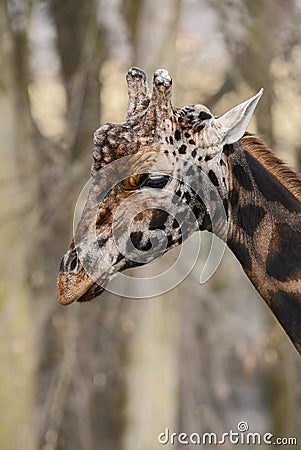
(259, 150)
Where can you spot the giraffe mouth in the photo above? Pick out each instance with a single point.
(70, 292)
(94, 291)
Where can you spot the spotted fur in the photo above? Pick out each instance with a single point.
(211, 170)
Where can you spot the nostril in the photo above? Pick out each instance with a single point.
(73, 263)
(70, 262)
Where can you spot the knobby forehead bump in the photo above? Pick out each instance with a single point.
(145, 117)
(138, 91)
(158, 105)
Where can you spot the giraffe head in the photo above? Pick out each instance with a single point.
(156, 178)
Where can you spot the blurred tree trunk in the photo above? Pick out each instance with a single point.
(75, 387)
(17, 162)
(152, 387)
(79, 396)
(81, 48)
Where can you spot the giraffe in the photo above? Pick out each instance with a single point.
(196, 162)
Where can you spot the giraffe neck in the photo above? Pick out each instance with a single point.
(265, 228)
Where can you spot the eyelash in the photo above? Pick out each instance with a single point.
(157, 181)
(152, 180)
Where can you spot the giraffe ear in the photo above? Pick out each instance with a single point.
(234, 123)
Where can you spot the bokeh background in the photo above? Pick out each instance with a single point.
(115, 373)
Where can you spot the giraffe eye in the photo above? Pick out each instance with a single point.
(152, 180)
(156, 180)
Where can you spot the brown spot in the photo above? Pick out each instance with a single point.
(287, 309)
(285, 262)
(158, 220)
(242, 254)
(249, 217)
(242, 176)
